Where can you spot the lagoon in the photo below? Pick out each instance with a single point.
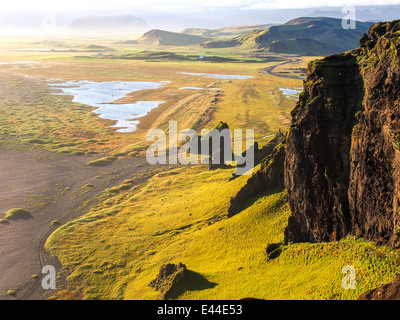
(102, 96)
(191, 88)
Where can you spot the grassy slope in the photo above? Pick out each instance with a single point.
(115, 250)
(141, 223)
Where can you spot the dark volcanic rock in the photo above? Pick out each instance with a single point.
(342, 152)
(374, 171)
(317, 151)
(273, 250)
(389, 291)
(169, 277)
(217, 157)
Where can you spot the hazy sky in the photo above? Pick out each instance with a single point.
(175, 15)
(170, 5)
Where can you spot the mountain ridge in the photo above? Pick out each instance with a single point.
(156, 37)
(325, 35)
(225, 31)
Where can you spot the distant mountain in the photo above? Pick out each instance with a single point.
(199, 32)
(158, 37)
(302, 46)
(110, 24)
(311, 35)
(225, 31)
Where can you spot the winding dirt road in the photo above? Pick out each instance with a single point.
(270, 70)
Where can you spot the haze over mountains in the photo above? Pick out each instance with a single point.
(304, 36)
(122, 24)
(206, 18)
(307, 36)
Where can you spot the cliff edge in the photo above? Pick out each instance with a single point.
(342, 150)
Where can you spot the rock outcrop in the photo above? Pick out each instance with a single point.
(389, 291)
(342, 151)
(169, 277)
(273, 250)
(217, 157)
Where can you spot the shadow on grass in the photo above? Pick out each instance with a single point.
(193, 282)
(251, 201)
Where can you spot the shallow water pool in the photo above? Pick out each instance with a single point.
(101, 95)
(291, 93)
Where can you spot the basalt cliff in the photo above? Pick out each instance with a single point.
(342, 150)
(340, 158)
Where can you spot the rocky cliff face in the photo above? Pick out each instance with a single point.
(342, 151)
(389, 291)
(374, 157)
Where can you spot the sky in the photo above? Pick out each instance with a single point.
(171, 5)
(176, 15)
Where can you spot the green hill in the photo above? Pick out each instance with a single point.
(302, 46)
(199, 32)
(225, 31)
(158, 37)
(323, 35)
